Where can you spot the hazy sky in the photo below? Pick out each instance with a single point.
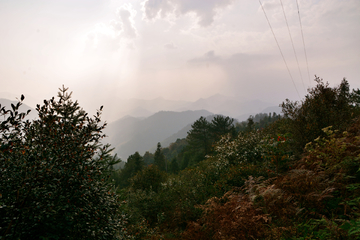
(107, 50)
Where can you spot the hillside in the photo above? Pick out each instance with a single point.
(130, 134)
(297, 178)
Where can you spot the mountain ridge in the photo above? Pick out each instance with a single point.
(128, 135)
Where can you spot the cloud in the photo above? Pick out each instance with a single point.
(270, 5)
(126, 14)
(116, 25)
(206, 58)
(106, 38)
(103, 38)
(204, 10)
(170, 46)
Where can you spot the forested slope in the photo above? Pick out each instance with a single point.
(297, 178)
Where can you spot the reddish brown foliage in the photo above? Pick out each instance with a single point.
(231, 217)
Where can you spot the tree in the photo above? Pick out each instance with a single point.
(133, 165)
(221, 126)
(323, 106)
(148, 158)
(159, 158)
(199, 137)
(148, 179)
(136, 161)
(174, 166)
(250, 123)
(53, 176)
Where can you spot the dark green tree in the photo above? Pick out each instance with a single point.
(221, 125)
(148, 179)
(323, 106)
(159, 158)
(53, 176)
(250, 124)
(199, 137)
(136, 161)
(133, 165)
(174, 166)
(185, 159)
(148, 158)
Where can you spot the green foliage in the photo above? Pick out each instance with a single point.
(54, 175)
(259, 121)
(175, 149)
(199, 137)
(148, 158)
(159, 158)
(149, 179)
(133, 165)
(174, 166)
(256, 185)
(278, 154)
(322, 107)
(204, 134)
(221, 126)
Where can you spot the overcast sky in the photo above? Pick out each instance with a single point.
(107, 50)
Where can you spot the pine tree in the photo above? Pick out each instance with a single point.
(221, 126)
(199, 137)
(159, 158)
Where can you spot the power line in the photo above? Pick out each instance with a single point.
(292, 43)
(302, 35)
(279, 48)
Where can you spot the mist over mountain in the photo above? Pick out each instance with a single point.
(144, 123)
(217, 104)
(143, 108)
(130, 134)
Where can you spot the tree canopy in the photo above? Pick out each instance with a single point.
(323, 106)
(159, 158)
(54, 174)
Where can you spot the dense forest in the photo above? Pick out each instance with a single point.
(289, 176)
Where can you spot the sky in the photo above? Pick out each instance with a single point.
(106, 50)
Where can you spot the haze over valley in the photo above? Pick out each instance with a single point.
(142, 58)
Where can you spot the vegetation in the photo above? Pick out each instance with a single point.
(295, 176)
(259, 121)
(54, 175)
(262, 182)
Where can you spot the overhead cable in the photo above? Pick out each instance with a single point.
(292, 43)
(279, 48)
(302, 35)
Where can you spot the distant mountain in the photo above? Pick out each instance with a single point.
(144, 108)
(130, 134)
(229, 106)
(23, 108)
(182, 133)
(217, 104)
